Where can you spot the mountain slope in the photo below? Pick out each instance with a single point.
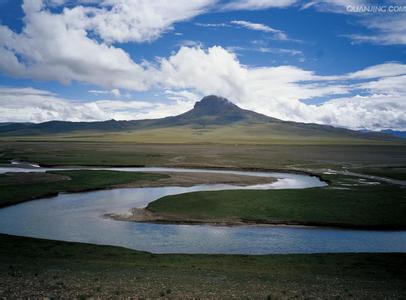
(211, 110)
(213, 119)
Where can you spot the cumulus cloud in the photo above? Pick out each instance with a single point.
(140, 20)
(131, 20)
(58, 46)
(218, 71)
(280, 91)
(50, 49)
(365, 112)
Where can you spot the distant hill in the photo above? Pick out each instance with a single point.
(212, 120)
(401, 134)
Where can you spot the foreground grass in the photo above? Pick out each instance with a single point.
(20, 187)
(42, 268)
(348, 202)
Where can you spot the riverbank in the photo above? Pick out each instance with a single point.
(42, 268)
(22, 186)
(187, 179)
(348, 202)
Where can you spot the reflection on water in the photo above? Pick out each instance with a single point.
(77, 217)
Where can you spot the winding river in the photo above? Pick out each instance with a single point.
(78, 217)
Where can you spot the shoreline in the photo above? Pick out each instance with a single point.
(188, 179)
(186, 167)
(143, 215)
(178, 179)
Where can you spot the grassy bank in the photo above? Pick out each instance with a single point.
(348, 202)
(42, 268)
(21, 187)
(398, 173)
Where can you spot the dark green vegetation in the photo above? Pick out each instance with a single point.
(212, 120)
(42, 268)
(389, 172)
(348, 202)
(20, 187)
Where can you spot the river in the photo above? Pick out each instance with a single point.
(79, 217)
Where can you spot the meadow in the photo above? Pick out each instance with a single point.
(346, 202)
(300, 156)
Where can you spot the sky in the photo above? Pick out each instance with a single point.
(335, 62)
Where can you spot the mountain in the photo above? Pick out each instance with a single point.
(214, 119)
(401, 134)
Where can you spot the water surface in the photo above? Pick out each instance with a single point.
(78, 217)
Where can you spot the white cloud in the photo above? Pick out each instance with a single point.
(337, 6)
(114, 92)
(212, 24)
(33, 54)
(217, 71)
(257, 4)
(264, 49)
(387, 30)
(394, 85)
(377, 71)
(140, 20)
(278, 34)
(183, 95)
(58, 46)
(365, 112)
(24, 91)
(254, 26)
(32, 105)
(387, 27)
(279, 91)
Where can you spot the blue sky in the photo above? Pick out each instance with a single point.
(334, 62)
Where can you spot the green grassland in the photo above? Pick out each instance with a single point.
(238, 133)
(16, 188)
(348, 202)
(205, 155)
(43, 268)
